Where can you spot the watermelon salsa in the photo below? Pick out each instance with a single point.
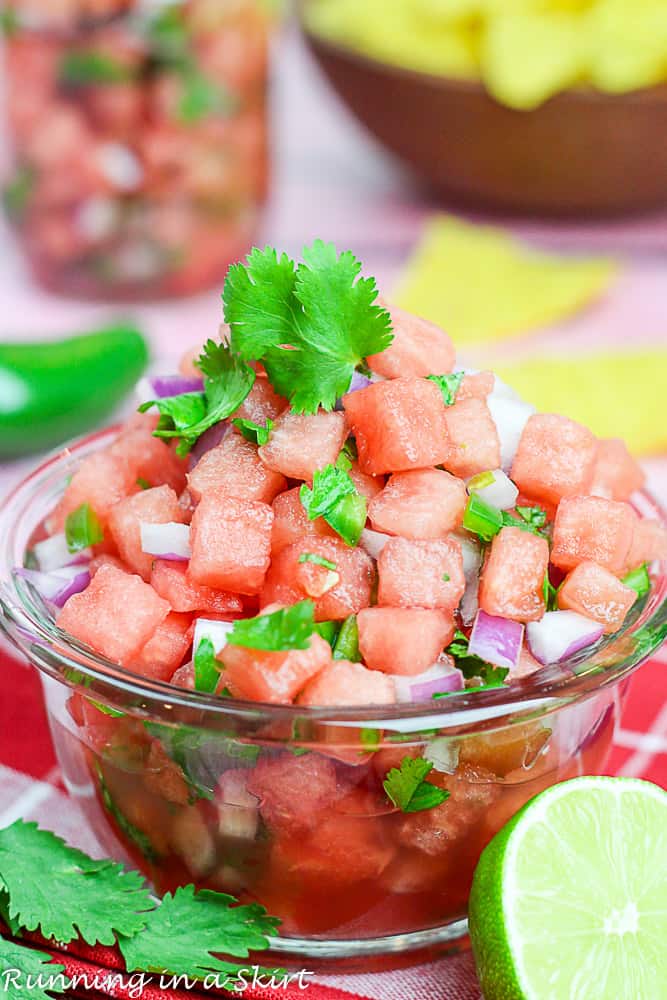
(321, 509)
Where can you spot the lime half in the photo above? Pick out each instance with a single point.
(569, 900)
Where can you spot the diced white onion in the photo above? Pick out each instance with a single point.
(373, 542)
(216, 631)
(443, 754)
(169, 541)
(53, 553)
(510, 417)
(560, 634)
(501, 492)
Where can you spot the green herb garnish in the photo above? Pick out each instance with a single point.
(207, 667)
(449, 385)
(311, 324)
(143, 484)
(346, 646)
(549, 593)
(406, 788)
(482, 518)
(257, 433)
(132, 832)
(638, 580)
(335, 498)
(34, 965)
(474, 666)
(17, 192)
(370, 738)
(83, 529)
(312, 557)
(328, 631)
(202, 97)
(88, 68)
(288, 628)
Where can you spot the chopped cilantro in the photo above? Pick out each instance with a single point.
(142, 483)
(87, 67)
(370, 738)
(494, 683)
(549, 593)
(346, 646)
(638, 580)
(257, 433)
(446, 577)
(312, 557)
(82, 528)
(288, 628)
(16, 193)
(328, 631)
(449, 385)
(207, 667)
(474, 666)
(311, 324)
(335, 498)
(202, 97)
(406, 788)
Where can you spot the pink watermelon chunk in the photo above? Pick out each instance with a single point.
(345, 683)
(479, 385)
(166, 649)
(593, 591)
(116, 614)
(593, 529)
(343, 851)
(421, 503)
(294, 792)
(513, 577)
(301, 443)
(616, 475)
(403, 641)
(555, 458)
(649, 542)
(149, 459)
(291, 523)
(172, 582)
(421, 574)
(289, 581)
(155, 506)
(231, 543)
(235, 468)
(418, 348)
(261, 404)
(398, 425)
(257, 675)
(101, 481)
(474, 445)
(368, 486)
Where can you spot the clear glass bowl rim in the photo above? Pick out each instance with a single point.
(31, 630)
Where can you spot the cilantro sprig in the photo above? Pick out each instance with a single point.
(83, 529)
(257, 433)
(407, 789)
(37, 965)
(474, 666)
(638, 580)
(449, 385)
(311, 324)
(288, 628)
(335, 498)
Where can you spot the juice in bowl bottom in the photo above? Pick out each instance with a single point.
(323, 616)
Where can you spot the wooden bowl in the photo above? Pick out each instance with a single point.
(583, 153)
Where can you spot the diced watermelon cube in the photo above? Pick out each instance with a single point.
(172, 582)
(155, 506)
(116, 614)
(616, 475)
(291, 523)
(101, 480)
(345, 683)
(294, 792)
(474, 445)
(289, 581)
(398, 425)
(231, 543)
(274, 677)
(418, 348)
(591, 528)
(513, 578)
(403, 641)
(166, 649)
(149, 459)
(421, 574)
(478, 385)
(555, 459)
(593, 591)
(234, 467)
(421, 503)
(301, 443)
(368, 486)
(649, 542)
(342, 851)
(104, 559)
(261, 404)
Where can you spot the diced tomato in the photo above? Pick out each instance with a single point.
(593, 529)
(616, 475)
(291, 523)
(512, 580)
(403, 640)
(261, 404)
(116, 614)
(345, 683)
(231, 543)
(273, 677)
(398, 425)
(421, 503)
(593, 591)
(301, 443)
(166, 649)
(155, 506)
(101, 480)
(235, 468)
(421, 574)
(172, 582)
(418, 348)
(555, 459)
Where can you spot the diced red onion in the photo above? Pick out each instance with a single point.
(216, 631)
(52, 553)
(560, 634)
(168, 541)
(238, 809)
(373, 542)
(440, 678)
(358, 381)
(496, 640)
(59, 585)
(501, 492)
(209, 439)
(443, 754)
(165, 386)
(510, 417)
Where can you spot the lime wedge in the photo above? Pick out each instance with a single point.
(569, 900)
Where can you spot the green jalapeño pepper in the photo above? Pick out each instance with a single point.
(52, 391)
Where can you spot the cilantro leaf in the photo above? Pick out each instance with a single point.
(257, 433)
(177, 413)
(533, 515)
(406, 788)
(202, 98)
(64, 893)
(82, 528)
(86, 67)
(532, 519)
(335, 498)
(638, 580)
(207, 667)
(550, 594)
(311, 324)
(346, 646)
(312, 557)
(474, 666)
(213, 925)
(449, 385)
(30, 963)
(288, 628)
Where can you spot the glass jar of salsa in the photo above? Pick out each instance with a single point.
(139, 140)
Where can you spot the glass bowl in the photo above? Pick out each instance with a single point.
(285, 805)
